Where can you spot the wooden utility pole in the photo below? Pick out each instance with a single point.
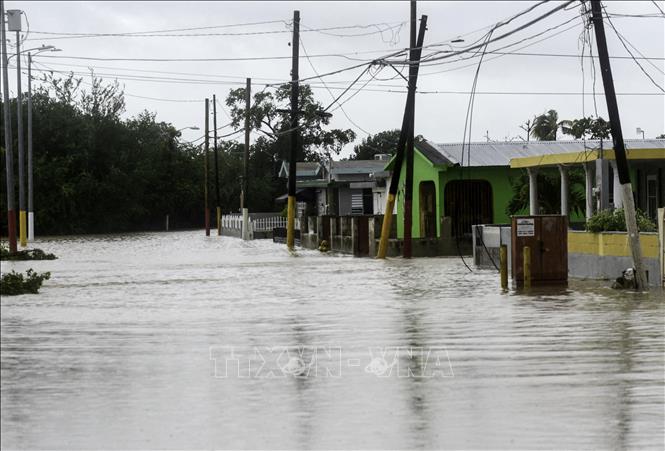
(9, 154)
(205, 168)
(619, 148)
(293, 153)
(218, 208)
(243, 190)
(399, 155)
(408, 182)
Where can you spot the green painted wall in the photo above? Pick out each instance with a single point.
(423, 171)
(499, 179)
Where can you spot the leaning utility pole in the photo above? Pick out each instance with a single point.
(243, 191)
(408, 182)
(11, 214)
(401, 144)
(293, 154)
(15, 25)
(619, 148)
(218, 208)
(205, 168)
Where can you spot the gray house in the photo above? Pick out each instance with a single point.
(340, 188)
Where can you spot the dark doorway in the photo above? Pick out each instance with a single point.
(467, 202)
(427, 209)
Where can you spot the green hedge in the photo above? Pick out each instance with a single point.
(615, 221)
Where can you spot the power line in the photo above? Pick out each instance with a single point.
(66, 35)
(503, 36)
(621, 39)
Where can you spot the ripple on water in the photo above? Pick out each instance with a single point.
(115, 352)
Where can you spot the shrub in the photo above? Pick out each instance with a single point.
(14, 283)
(615, 221)
(28, 254)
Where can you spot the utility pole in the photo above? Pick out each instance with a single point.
(408, 183)
(31, 207)
(243, 191)
(11, 214)
(218, 209)
(14, 20)
(293, 154)
(619, 148)
(205, 168)
(399, 155)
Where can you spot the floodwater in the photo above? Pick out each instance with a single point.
(174, 340)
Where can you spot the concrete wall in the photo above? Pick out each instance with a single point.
(605, 255)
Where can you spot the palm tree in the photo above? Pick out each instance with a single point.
(546, 126)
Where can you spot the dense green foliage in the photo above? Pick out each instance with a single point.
(14, 283)
(27, 254)
(380, 143)
(95, 173)
(615, 221)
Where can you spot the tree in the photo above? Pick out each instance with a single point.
(546, 126)
(527, 126)
(381, 143)
(661, 136)
(269, 116)
(588, 128)
(96, 173)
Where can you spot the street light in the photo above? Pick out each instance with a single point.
(31, 208)
(193, 127)
(639, 130)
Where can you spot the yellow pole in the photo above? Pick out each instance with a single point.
(385, 227)
(527, 267)
(23, 237)
(290, 222)
(503, 266)
(219, 221)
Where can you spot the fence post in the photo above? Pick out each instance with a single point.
(503, 265)
(527, 267)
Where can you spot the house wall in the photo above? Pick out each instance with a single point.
(497, 176)
(423, 171)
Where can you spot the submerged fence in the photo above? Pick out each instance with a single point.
(259, 223)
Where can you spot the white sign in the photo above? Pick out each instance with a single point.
(525, 227)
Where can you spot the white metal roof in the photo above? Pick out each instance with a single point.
(500, 153)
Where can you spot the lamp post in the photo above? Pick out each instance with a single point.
(11, 214)
(31, 208)
(639, 130)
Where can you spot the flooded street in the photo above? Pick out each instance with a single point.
(172, 340)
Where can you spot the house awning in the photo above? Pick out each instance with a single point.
(302, 195)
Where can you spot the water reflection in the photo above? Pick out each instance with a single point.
(115, 352)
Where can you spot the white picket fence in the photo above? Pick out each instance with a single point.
(264, 224)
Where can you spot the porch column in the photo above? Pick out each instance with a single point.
(564, 190)
(616, 188)
(533, 191)
(588, 172)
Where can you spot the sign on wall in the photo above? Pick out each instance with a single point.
(525, 227)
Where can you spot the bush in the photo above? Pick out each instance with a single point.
(28, 254)
(615, 221)
(14, 283)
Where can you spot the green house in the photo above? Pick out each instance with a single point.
(472, 184)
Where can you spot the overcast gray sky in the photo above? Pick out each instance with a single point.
(440, 116)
